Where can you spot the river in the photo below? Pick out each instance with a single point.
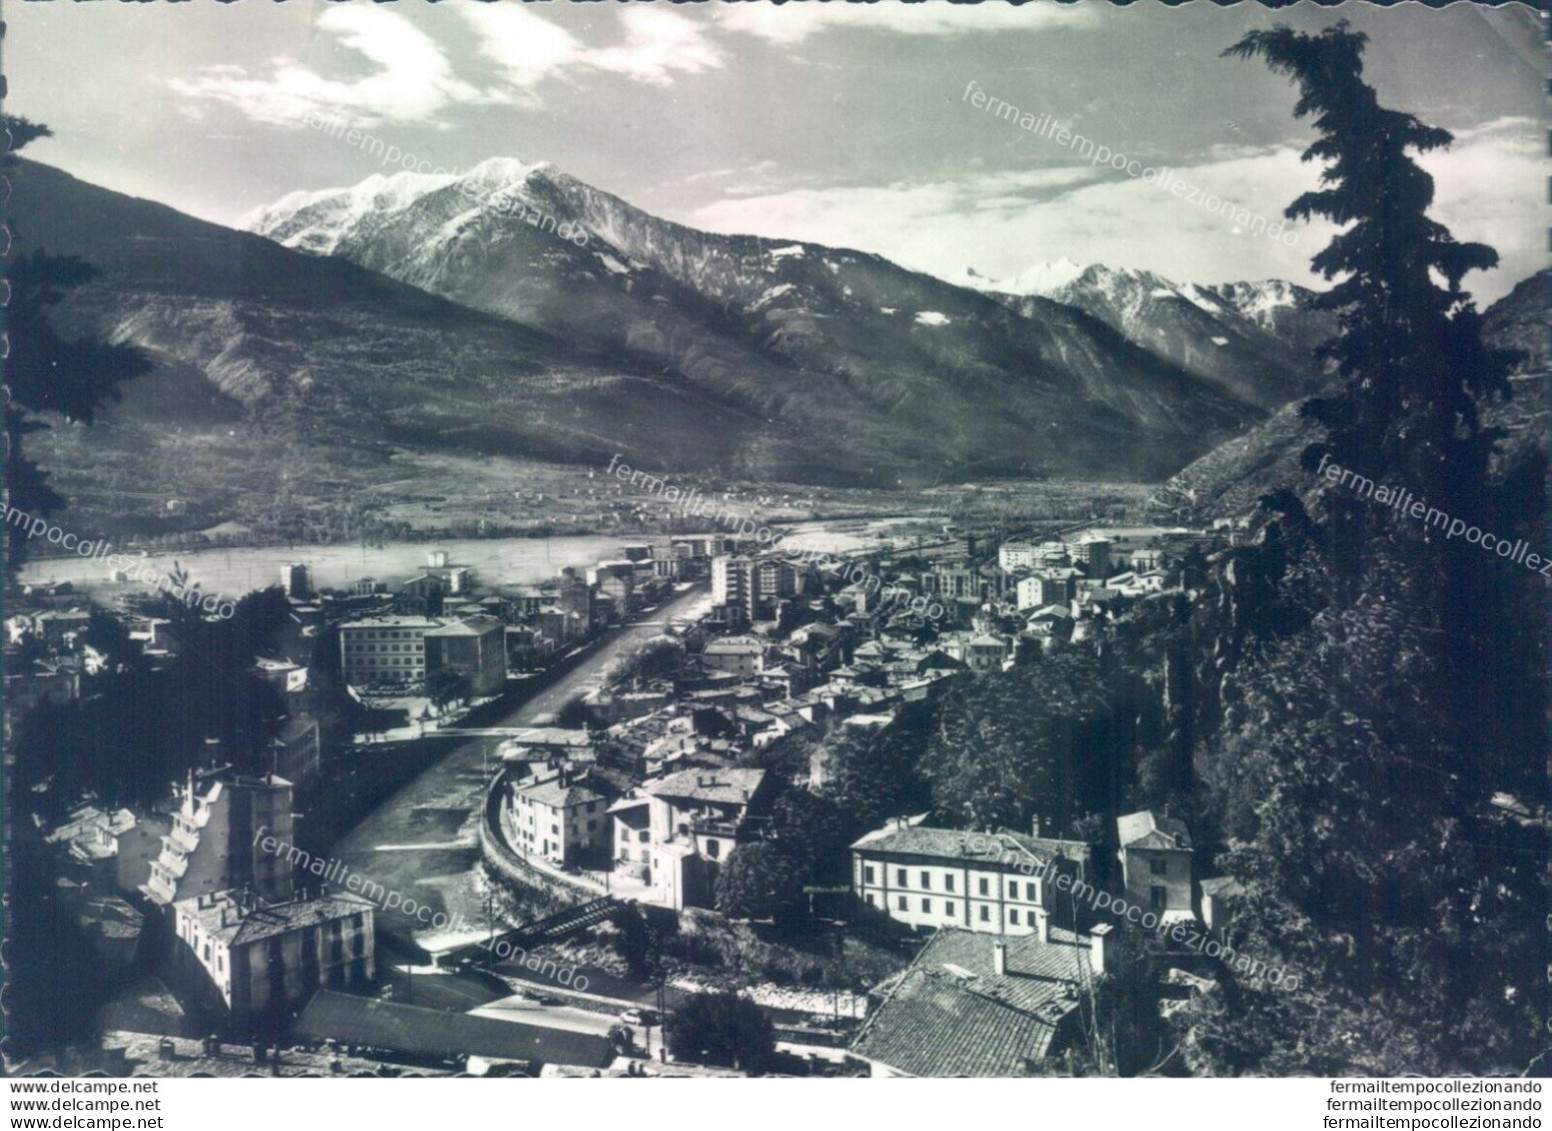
(234, 571)
(423, 843)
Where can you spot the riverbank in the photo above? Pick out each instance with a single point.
(420, 837)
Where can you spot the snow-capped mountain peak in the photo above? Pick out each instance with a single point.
(318, 220)
(1042, 279)
(1261, 301)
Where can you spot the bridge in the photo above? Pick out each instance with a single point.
(552, 928)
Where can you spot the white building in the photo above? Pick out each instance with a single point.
(385, 649)
(1156, 863)
(558, 816)
(927, 878)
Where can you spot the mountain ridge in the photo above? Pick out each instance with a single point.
(796, 330)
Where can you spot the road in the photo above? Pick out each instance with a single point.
(529, 1012)
(422, 842)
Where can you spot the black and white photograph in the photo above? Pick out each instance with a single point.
(743, 539)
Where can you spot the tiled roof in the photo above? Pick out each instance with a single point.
(950, 1014)
(477, 625)
(930, 1026)
(241, 928)
(952, 844)
(734, 786)
(558, 796)
(1222, 886)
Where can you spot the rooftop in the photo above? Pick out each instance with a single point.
(1148, 830)
(951, 1014)
(143, 1056)
(733, 786)
(477, 625)
(434, 1034)
(552, 793)
(921, 840)
(392, 622)
(223, 918)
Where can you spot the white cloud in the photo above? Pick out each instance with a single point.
(528, 48)
(413, 80)
(658, 41)
(789, 24)
(1002, 222)
(1489, 187)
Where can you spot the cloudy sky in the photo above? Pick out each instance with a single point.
(845, 124)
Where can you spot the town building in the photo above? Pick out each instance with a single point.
(475, 647)
(423, 1037)
(1053, 622)
(266, 958)
(92, 837)
(693, 819)
(297, 581)
(1220, 897)
(60, 627)
(980, 1005)
(44, 681)
(1155, 858)
(297, 750)
(385, 649)
(1050, 587)
(558, 815)
(738, 655)
(996, 883)
(213, 843)
(732, 580)
(1095, 554)
(1016, 555)
(953, 583)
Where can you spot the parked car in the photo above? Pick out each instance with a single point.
(640, 1017)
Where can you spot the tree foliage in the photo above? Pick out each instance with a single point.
(1050, 740)
(815, 832)
(1363, 689)
(1410, 342)
(875, 775)
(760, 880)
(722, 1029)
(134, 729)
(45, 372)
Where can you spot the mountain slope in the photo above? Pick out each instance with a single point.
(283, 372)
(895, 376)
(1232, 477)
(1254, 341)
